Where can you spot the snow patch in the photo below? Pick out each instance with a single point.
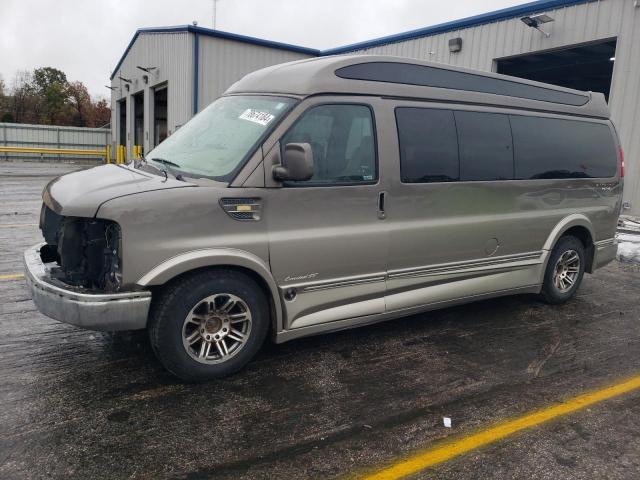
(628, 248)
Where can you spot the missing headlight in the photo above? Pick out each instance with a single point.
(86, 249)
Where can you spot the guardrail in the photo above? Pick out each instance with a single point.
(56, 142)
(121, 152)
(55, 151)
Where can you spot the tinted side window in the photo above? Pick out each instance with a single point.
(557, 148)
(486, 151)
(428, 145)
(342, 140)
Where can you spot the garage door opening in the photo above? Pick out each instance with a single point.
(138, 118)
(159, 114)
(122, 122)
(586, 67)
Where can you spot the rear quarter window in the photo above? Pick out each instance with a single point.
(554, 148)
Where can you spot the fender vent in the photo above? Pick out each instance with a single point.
(243, 209)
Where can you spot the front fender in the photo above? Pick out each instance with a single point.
(215, 257)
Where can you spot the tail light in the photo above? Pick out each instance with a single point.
(621, 155)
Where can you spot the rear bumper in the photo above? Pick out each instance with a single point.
(605, 252)
(104, 312)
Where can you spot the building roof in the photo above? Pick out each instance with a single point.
(516, 11)
(387, 76)
(218, 34)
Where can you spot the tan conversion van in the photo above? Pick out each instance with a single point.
(329, 193)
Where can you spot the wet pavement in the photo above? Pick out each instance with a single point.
(81, 404)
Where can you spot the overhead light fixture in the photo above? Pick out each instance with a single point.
(125, 80)
(534, 21)
(146, 69)
(612, 59)
(455, 44)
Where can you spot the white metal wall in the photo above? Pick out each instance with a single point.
(172, 54)
(223, 62)
(51, 136)
(582, 23)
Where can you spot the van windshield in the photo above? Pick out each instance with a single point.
(215, 143)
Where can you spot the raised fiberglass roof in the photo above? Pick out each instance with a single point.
(387, 76)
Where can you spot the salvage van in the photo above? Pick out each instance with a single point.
(330, 193)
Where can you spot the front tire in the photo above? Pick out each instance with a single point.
(565, 270)
(208, 324)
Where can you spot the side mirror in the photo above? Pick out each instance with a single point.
(297, 163)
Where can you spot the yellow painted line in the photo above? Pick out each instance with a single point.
(450, 449)
(18, 225)
(11, 276)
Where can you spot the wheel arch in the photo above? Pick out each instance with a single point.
(579, 226)
(240, 260)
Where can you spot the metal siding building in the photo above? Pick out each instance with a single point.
(217, 59)
(223, 62)
(192, 66)
(172, 54)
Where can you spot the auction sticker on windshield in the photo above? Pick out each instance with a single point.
(256, 116)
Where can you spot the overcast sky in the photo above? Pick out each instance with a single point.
(85, 38)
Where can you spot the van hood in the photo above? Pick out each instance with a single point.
(80, 194)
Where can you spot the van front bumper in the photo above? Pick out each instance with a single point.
(95, 311)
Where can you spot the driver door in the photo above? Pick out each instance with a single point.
(327, 244)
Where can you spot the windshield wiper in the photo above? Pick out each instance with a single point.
(169, 164)
(166, 162)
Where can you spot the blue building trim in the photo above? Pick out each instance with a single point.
(196, 70)
(505, 13)
(253, 40)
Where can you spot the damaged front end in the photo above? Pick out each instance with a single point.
(87, 251)
(75, 277)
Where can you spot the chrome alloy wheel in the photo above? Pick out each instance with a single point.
(566, 271)
(217, 328)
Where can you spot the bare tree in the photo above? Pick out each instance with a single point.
(24, 99)
(101, 113)
(80, 102)
(3, 102)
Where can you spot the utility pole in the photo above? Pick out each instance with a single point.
(215, 8)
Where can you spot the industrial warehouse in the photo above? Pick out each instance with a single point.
(168, 74)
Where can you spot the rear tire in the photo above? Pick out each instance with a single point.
(565, 270)
(208, 324)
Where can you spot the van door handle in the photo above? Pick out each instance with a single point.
(382, 197)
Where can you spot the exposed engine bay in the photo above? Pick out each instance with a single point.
(86, 250)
